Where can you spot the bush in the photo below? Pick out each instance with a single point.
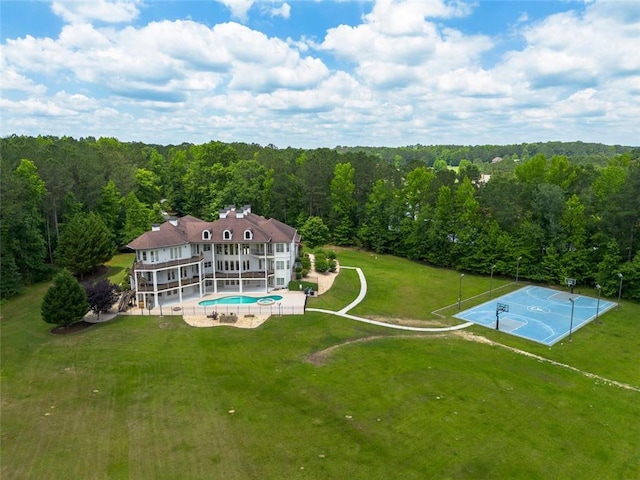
(322, 266)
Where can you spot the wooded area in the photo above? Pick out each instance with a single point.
(563, 209)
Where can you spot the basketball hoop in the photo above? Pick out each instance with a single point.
(500, 308)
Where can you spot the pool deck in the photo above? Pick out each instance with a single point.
(292, 303)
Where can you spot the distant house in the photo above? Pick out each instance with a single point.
(496, 160)
(188, 257)
(484, 178)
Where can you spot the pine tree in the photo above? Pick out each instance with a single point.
(65, 302)
(84, 244)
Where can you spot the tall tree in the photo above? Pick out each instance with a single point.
(380, 228)
(22, 222)
(147, 186)
(138, 218)
(65, 302)
(343, 204)
(84, 244)
(110, 209)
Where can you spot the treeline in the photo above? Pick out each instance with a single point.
(579, 152)
(574, 214)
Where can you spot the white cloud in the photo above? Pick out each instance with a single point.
(283, 11)
(13, 81)
(396, 47)
(79, 11)
(407, 17)
(239, 8)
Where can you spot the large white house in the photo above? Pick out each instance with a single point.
(188, 257)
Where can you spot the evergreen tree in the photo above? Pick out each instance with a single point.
(10, 281)
(343, 203)
(84, 244)
(109, 207)
(65, 302)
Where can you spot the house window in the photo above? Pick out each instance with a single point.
(206, 248)
(279, 247)
(280, 281)
(248, 235)
(226, 235)
(144, 256)
(287, 246)
(218, 249)
(171, 274)
(207, 264)
(280, 265)
(206, 235)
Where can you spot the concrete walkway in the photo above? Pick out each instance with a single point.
(360, 297)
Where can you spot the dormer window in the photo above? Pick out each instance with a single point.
(206, 235)
(248, 234)
(226, 235)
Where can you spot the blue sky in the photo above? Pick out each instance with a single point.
(321, 73)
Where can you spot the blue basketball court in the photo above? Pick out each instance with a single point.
(537, 313)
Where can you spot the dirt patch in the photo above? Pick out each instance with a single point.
(73, 328)
(409, 322)
(321, 356)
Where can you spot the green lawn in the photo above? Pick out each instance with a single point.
(149, 397)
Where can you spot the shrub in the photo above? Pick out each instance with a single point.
(322, 266)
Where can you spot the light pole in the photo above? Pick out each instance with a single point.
(598, 305)
(460, 290)
(518, 268)
(573, 300)
(491, 282)
(619, 289)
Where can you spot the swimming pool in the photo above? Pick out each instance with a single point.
(242, 300)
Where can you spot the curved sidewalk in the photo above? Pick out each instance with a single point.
(360, 297)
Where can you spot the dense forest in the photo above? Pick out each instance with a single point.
(551, 210)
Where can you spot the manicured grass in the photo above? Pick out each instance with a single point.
(400, 288)
(118, 267)
(149, 397)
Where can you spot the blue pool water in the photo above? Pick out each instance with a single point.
(241, 299)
